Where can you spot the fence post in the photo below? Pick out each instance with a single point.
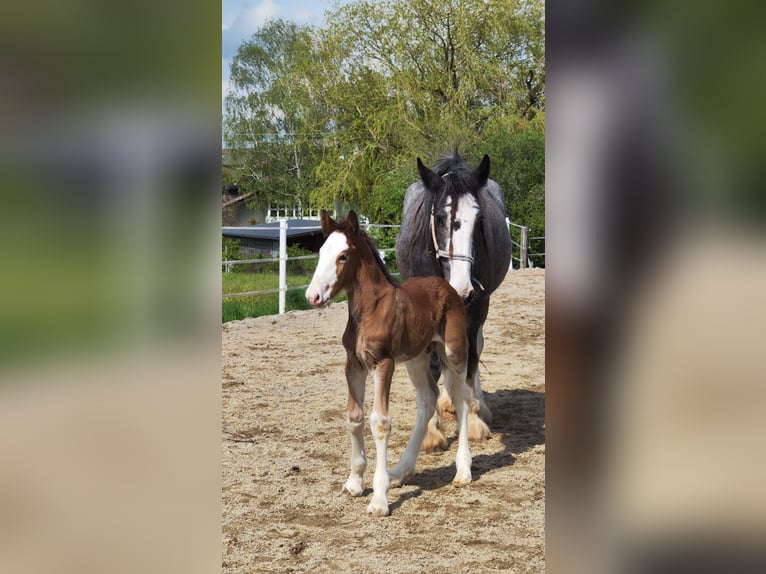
(524, 247)
(282, 265)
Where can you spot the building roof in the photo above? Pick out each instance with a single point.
(295, 228)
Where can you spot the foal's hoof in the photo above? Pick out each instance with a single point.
(377, 508)
(462, 480)
(353, 487)
(477, 429)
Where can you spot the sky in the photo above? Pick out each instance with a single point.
(241, 18)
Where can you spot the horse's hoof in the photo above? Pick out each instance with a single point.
(395, 479)
(434, 443)
(477, 429)
(485, 413)
(445, 408)
(377, 508)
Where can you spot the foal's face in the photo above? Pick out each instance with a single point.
(328, 280)
(454, 225)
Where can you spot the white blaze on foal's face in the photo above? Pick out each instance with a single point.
(325, 276)
(462, 244)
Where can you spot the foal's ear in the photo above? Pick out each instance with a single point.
(352, 222)
(482, 172)
(432, 181)
(328, 223)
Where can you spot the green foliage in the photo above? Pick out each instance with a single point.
(517, 149)
(269, 114)
(336, 116)
(230, 249)
(301, 266)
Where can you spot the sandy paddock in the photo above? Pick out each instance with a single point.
(285, 453)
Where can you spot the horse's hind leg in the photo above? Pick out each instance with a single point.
(444, 407)
(485, 413)
(425, 389)
(479, 414)
(356, 373)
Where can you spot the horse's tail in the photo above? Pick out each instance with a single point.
(435, 365)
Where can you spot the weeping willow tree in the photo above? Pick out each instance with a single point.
(347, 108)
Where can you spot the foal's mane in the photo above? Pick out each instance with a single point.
(361, 239)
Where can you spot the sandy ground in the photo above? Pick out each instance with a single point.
(285, 453)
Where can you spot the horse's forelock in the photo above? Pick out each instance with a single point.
(458, 178)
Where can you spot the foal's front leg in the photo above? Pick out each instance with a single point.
(380, 425)
(356, 373)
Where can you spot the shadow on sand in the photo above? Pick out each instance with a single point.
(519, 418)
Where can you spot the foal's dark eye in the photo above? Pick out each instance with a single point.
(342, 257)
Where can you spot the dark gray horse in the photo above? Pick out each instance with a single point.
(454, 225)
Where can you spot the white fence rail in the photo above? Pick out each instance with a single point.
(522, 245)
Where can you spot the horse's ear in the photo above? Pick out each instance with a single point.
(352, 222)
(432, 181)
(327, 222)
(482, 172)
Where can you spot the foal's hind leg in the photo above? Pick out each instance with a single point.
(380, 425)
(454, 381)
(356, 373)
(425, 388)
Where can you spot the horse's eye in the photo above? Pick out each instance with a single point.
(342, 257)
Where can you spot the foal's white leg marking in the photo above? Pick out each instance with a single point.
(418, 371)
(455, 382)
(380, 425)
(354, 484)
(358, 459)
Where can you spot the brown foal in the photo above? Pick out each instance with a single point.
(390, 323)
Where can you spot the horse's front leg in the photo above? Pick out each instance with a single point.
(356, 373)
(380, 425)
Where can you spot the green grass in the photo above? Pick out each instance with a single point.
(254, 306)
